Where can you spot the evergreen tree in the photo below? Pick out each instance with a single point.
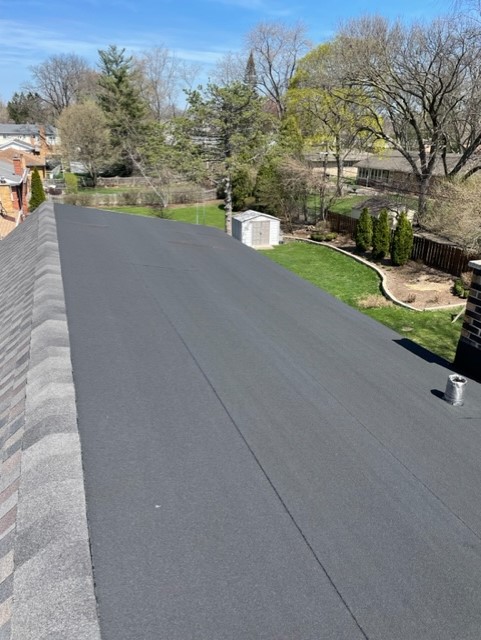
(363, 233)
(27, 107)
(121, 102)
(242, 187)
(230, 127)
(37, 193)
(250, 75)
(381, 236)
(402, 241)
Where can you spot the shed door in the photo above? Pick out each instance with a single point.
(261, 233)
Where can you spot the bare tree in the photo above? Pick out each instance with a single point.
(276, 48)
(229, 69)
(61, 80)
(4, 115)
(421, 81)
(456, 212)
(161, 77)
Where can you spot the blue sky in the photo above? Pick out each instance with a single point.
(33, 30)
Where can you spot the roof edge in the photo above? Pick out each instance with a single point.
(53, 584)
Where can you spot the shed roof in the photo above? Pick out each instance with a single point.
(250, 214)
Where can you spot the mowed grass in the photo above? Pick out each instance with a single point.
(210, 215)
(350, 281)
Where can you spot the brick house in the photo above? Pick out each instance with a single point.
(14, 188)
(391, 171)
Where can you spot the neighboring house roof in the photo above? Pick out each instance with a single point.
(250, 214)
(244, 441)
(30, 159)
(318, 155)
(8, 175)
(19, 145)
(25, 129)
(394, 161)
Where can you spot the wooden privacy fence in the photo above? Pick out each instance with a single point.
(341, 224)
(442, 256)
(445, 257)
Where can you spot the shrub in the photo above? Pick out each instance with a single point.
(130, 198)
(363, 233)
(155, 202)
(323, 236)
(37, 193)
(381, 236)
(79, 199)
(71, 182)
(460, 289)
(402, 241)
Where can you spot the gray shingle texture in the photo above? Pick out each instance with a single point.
(46, 582)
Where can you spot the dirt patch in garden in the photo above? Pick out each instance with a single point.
(414, 283)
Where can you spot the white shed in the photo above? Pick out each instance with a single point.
(256, 229)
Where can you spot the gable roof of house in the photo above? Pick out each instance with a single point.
(244, 439)
(25, 146)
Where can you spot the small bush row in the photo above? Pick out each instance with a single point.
(323, 236)
(376, 234)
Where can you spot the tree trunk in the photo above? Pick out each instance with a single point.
(340, 169)
(228, 206)
(422, 198)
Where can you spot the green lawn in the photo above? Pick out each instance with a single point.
(210, 215)
(346, 204)
(349, 281)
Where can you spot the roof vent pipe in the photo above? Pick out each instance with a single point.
(454, 393)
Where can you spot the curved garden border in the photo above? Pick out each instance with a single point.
(384, 288)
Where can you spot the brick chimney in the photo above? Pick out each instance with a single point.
(18, 165)
(468, 353)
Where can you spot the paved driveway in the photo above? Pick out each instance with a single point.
(261, 461)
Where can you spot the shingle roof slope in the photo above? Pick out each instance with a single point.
(24, 129)
(42, 503)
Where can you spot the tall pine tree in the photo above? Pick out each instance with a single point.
(250, 74)
(121, 102)
(230, 127)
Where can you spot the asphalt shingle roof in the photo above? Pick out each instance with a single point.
(46, 584)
